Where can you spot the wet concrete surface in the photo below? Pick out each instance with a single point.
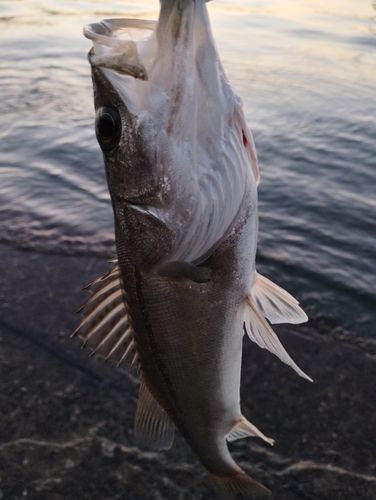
(66, 428)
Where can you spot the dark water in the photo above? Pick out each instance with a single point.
(307, 73)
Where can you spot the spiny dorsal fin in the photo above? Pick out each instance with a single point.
(243, 429)
(277, 305)
(152, 427)
(106, 327)
(260, 332)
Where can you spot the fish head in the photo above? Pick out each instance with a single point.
(180, 160)
(127, 134)
(131, 166)
(124, 129)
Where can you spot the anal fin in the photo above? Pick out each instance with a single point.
(153, 427)
(243, 429)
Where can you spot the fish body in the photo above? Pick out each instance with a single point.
(182, 173)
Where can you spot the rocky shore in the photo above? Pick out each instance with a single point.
(66, 428)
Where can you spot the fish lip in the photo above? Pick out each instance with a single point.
(105, 34)
(103, 30)
(141, 74)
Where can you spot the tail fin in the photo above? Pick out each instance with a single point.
(238, 486)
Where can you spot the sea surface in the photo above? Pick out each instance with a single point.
(307, 73)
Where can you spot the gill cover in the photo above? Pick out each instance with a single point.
(169, 77)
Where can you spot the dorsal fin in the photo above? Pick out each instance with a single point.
(106, 327)
(152, 426)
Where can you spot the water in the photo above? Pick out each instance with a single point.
(307, 73)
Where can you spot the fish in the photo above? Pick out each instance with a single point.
(182, 172)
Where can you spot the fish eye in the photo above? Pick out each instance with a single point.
(108, 128)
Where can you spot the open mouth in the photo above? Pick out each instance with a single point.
(121, 45)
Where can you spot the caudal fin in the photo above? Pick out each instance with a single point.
(238, 487)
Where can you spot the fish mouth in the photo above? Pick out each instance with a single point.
(117, 45)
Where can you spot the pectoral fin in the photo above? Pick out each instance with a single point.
(277, 305)
(260, 332)
(152, 427)
(185, 270)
